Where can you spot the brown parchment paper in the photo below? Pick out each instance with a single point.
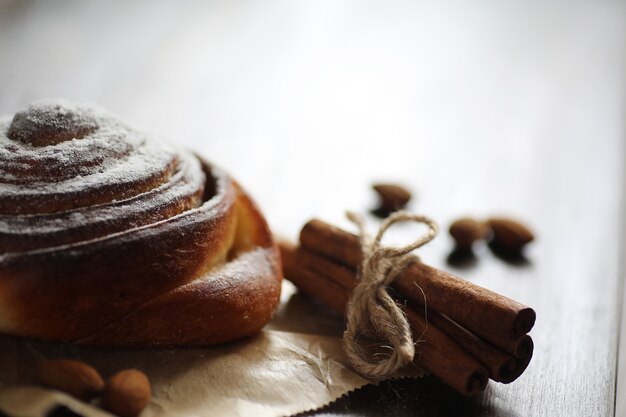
(295, 364)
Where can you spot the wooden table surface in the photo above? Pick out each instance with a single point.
(482, 108)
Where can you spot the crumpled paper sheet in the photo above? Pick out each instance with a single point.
(295, 364)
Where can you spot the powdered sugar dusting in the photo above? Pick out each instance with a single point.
(110, 154)
(112, 178)
(47, 122)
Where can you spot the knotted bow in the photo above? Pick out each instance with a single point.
(371, 311)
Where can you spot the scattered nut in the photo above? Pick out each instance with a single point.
(393, 197)
(73, 377)
(509, 235)
(466, 231)
(127, 393)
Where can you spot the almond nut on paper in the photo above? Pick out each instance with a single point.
(73, 377)
(127, 393)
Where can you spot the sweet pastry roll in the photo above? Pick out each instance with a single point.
(110, 238)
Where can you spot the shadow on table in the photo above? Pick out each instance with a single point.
(462, 258)
(467, 258)
(424, 397)
(517, 259)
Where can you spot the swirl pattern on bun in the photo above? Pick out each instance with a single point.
(110, 238)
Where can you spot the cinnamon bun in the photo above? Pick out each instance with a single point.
(110, 238)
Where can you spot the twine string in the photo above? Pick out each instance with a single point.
(371, 311)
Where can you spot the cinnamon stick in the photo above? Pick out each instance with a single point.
(502, 366)
(437, 353)
(330, 293)
(478, 309)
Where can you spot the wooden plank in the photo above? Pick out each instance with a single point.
(482, 109)
(620, 389)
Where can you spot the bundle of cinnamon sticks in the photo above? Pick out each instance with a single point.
(467, 334)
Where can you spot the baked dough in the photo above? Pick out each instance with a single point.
(110, 238)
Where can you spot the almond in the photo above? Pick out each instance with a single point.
(127, 393)
(393, 197)
(73, 377)
(466, 231)
(508, 234)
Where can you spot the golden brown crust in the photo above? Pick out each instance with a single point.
(197, 268)
(233, 300)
